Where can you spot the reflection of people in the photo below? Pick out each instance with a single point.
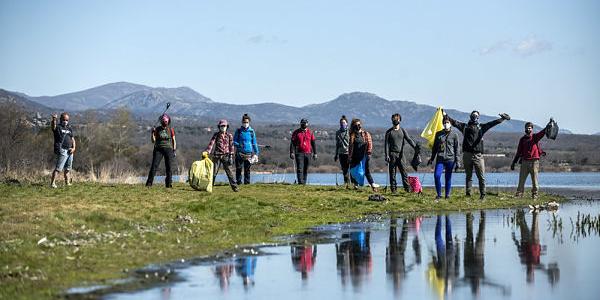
(245, 267)
(416, 224)
(446, 262)
(530, 249)
(395, 266)
(223, 273)
(354, 257)
(304, 258)
(473, 257)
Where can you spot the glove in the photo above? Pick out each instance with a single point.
(292, 156)
(314, 156)
(335, 157)
(504, 116)
(512, 166)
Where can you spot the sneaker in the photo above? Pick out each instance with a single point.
(437, 198)
(69, 184)
(519, 195)
(482, 197)
(53, 185)
(468, 194)
(235, 188)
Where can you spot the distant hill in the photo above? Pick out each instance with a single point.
(143, 100)
(7, 97)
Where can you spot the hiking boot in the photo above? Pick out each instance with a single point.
(53, 185)
(468, 194)
(482, 197)
(518, 195)
(235, 188)
(447, 197)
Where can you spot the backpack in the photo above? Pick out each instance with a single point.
(201, 174)
(415, 184)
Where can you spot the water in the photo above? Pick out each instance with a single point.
(588, 180)
(493, 254)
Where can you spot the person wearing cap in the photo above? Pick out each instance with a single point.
(302, 147)
(246, 147)
(163, 138)
(472, 147)
(222, 149)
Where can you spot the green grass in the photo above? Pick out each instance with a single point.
(95, 231)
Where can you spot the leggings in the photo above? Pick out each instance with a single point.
(439, 167)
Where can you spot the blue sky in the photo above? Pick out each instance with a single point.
(532, 59)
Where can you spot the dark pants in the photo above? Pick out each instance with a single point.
(345, 164)
(157, 156)
(223, 161)
(302, 164)
(368, 172)
(397, 164)
(241, 163)
(474, 161)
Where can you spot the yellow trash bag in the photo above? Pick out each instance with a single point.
(434, 125)
(201, 174)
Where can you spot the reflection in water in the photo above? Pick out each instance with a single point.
(444, 268)
(394, 254)
(223, 273)
(530, 250)
(304, 258)
(245, 267)
(416, 225)
(354, 257)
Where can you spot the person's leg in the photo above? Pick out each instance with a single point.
(227, 168)
(535, 168)
(168, 155)
(344, 165)
(68, 167)
(403, 173)
(448, 231)
(368, 173)
(299, 167)
(392, 173)
(448, 168)
(238, 168)
(247, 166)
(522, 178)
(306, 165)
(61, 160)
(479, 165)
(156, 158)
(437, 175)
(468, 161)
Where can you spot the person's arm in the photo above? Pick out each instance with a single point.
(292, 147)
(313, 144)
(53, 122)
(457, 124)
(74, 145)
(255, 143)
(153, 135)
(456, 150)
(350, 142)
(434, 148)
(231, 146)
(518, 154)
(538, 136)
(236, 138)
(408, 139)
(174, 142)
(487, 126)
(369, 144)
(385, 145)
(211, 143)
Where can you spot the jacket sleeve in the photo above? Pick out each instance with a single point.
(487, 126)
(292, 142)
(457, 124)
(312, 143)
(350, 147)
(538, 136)
(436, 146)
(385, 143)
(519, 152)
(255, 143)
(231, 146)
(338, 143)
(456, 149)
(236, 138)
(408, 139)
(209, 148)
(369, 144)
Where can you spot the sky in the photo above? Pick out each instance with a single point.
(531, 59)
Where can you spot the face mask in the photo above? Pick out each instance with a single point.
(223, 128)
(395, 122)
(528, 131)
(447, 126)
(245, 125)
(64, 122)
(357, 127)
(344, 126)
(303, 125)
(474, 118)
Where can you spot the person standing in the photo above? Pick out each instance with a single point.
(472, 147)
(528, 155)
(163, 138)
(222, 149)
(445, 153)
(361, 147)
(246, 147)
(342, 139)
(64, 147)
(395, 139)
(302, 147)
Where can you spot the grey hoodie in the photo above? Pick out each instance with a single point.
(445, 146)
(342, 140)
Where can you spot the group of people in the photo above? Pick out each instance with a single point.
(353, 146)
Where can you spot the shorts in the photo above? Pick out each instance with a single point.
(64, 160)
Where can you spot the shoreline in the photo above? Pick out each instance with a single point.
(111, 229)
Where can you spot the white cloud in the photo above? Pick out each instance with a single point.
(525, 47)
(259, 39)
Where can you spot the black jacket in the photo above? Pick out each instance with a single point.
(473, 133)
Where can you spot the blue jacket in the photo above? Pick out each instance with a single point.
(244, 141)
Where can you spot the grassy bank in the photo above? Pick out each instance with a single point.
(53, 239)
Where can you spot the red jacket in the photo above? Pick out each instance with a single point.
(302, 141)
(528, 148)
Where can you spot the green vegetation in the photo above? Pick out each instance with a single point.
(53, 239)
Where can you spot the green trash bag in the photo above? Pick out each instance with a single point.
(201, 174)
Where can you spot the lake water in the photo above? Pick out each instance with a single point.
(494, 254)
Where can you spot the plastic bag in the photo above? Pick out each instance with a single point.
(434, 125)
(201, 174)
(358, 172)
(552, 129)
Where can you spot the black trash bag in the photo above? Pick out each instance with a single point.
(377, 198)
(416, 160)
(552, 129)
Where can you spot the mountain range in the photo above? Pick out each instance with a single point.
(143, 100)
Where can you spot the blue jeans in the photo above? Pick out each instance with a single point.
(447, 166)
